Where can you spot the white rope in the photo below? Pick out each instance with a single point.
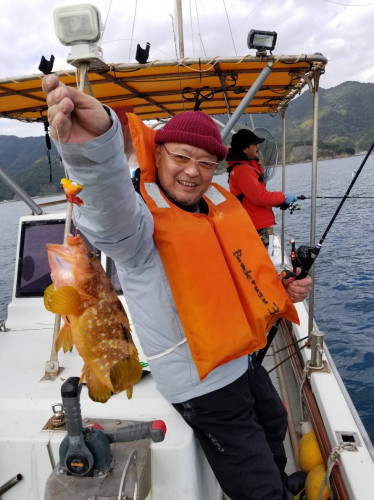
(333, 457)
(302, 382)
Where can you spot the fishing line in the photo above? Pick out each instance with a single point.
(70, 215)
(107, 15)
(133, 25)
(305, 256)
(228, 22)
(192, 31)
(350, 5)
(317, 248)
(336, 197)
(198, 25)
(69, 211)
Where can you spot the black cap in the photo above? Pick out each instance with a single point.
(244, 138)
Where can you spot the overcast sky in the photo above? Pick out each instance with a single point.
(342, 30)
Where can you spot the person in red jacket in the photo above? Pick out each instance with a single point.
(247, 182)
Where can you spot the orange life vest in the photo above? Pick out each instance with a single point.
(225, 287)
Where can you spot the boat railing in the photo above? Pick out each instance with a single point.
(20, 192)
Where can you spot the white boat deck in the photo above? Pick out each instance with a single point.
(26, 406)
(179, 469)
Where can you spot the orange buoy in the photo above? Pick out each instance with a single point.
(309, 452)
(313, 484)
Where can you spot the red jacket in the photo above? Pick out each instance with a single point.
(245, 179)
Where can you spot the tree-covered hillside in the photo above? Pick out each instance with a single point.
(346, 121)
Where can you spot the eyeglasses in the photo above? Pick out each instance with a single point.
(184, 160)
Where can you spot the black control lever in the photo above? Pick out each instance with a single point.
(154, 430)
(85, 451)
(77, 459)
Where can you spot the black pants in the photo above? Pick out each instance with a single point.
(241, 429)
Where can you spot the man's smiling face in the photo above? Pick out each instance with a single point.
(184, 183)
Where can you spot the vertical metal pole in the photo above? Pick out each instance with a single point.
(178, 8)
(283, 182)
(316, 358)
(317, 73)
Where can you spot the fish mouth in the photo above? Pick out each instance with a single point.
(64, 252)
(60, 263)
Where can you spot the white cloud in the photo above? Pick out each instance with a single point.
(342, 33)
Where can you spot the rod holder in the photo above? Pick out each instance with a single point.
(316, 349)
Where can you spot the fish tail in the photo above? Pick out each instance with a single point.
(125, 374)
(64, 339)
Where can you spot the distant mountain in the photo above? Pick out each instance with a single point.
(25, 160)
(20, 153)
(346, 122)
(346, 127)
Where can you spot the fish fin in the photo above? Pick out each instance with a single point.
(125, 374)
(64, 300)
(48, 295)
(83, 374)
(64, 339)
(97, 390)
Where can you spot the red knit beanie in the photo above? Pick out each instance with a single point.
(194, 128)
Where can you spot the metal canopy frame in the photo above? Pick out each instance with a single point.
(157, 89)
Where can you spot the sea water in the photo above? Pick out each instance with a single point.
(344, 269)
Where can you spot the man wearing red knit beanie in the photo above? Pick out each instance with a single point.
(188, 292)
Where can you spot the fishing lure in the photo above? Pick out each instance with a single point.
(71, 189)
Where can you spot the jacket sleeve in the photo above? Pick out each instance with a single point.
(114, 218)
(246, 179)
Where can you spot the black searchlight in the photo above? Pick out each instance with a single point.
(261, 41)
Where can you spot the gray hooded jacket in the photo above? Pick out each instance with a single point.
(116, 220)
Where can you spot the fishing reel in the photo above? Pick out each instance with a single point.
(86, 451)
(302, 257)
(293, 206)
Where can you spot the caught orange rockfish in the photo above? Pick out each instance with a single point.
(95, 320)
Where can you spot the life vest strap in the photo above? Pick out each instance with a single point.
(154, 192)
(214, 196)
(168, 351)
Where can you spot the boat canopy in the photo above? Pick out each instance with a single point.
(161, 89)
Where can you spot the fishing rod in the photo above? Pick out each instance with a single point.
(302, 197)
(305, 256)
